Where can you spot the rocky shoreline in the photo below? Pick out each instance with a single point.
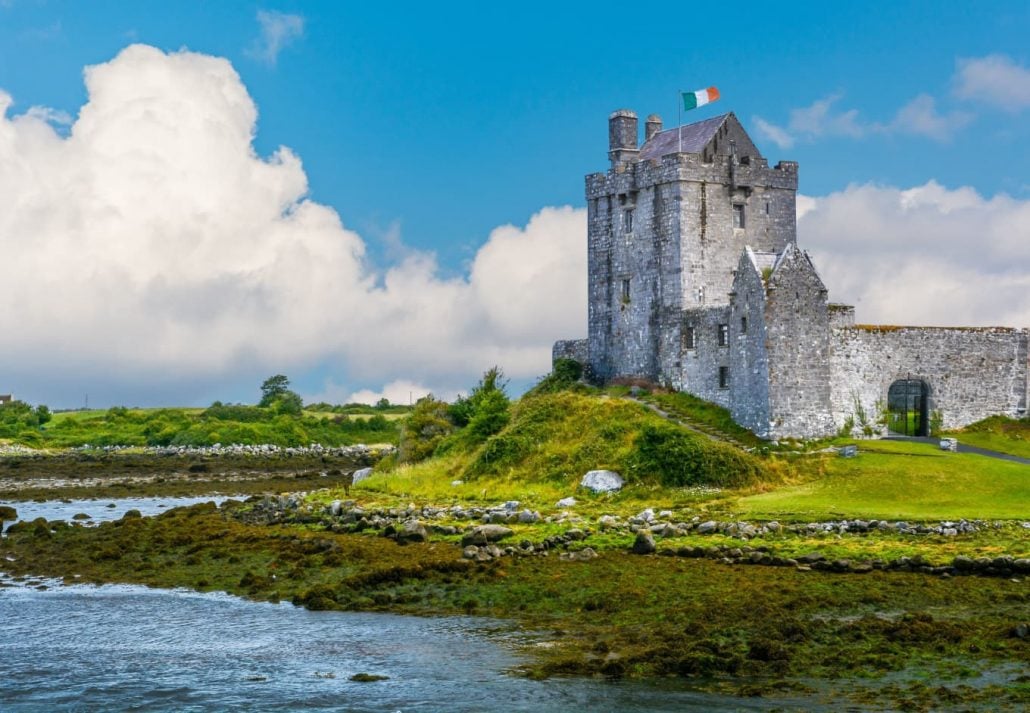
(481, 539)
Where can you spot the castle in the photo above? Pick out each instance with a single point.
(696, 282)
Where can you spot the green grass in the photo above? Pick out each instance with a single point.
(998, 433)
(553, 439)
(900, 480)
(713, 416)
(206, 427)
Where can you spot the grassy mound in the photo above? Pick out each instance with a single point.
(554, 438)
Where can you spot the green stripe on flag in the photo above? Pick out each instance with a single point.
(689, 100)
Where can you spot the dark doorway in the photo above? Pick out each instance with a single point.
(907, 401)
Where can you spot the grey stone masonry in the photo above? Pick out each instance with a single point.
(971, 372)
(695, 282)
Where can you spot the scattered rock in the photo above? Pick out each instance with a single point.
(368, 677)
(584, 555)
(707, 527)
(485, 534)
(644, 544)
(360, 474)
(602, 481)
(412, 531)
(565, 503)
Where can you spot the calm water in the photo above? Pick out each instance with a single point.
(102, 510)
(114, 648)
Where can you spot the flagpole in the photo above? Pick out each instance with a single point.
(679, 122)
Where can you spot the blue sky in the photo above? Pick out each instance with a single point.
(426, 127)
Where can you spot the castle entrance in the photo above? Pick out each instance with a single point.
(907, 401)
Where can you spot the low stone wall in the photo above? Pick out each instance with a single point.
(972, 373)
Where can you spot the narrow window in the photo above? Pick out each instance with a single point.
(724, 377)
(767, 207)
(743, 325)
(724, 335)
(688, 338)
(738, 216)
(627, 221)
(625, 290)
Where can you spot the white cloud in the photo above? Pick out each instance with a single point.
(994, 79)
(152, 247)
(777, 134)
(401, 391)
(919, 117)
(278, 30)
(926, 255)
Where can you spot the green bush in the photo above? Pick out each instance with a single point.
(678, 458)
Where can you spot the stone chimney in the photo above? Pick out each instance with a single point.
(622, 137)
(652, 126)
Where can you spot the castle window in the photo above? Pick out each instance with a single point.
(767, 207)
(688, 338)
(627, 221)
(724, 377)
(743, 325)
(738, 216)
(625, 290)
(724, 335)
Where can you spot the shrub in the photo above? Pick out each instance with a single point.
(678, 458)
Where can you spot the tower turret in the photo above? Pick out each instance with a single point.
(622, 136)
(652, 126)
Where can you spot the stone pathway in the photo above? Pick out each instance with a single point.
(690, 425)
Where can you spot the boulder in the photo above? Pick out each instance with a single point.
(565, 503)
(412, 531)
(484, 534)
(706, 527)
(359, 475)
(644, 544)
(528, 517)
(602, 481)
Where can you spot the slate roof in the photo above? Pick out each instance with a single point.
(694, 136)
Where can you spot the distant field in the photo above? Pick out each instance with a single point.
(898, 480)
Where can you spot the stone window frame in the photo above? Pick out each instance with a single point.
(743, 324)
(689, 337)
(627, 220)
(724, 335)
(739, 216)
(724, 377)
(624, 294)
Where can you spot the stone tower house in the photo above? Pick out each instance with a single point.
(696, 282)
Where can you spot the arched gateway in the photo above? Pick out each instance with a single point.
(907, 407)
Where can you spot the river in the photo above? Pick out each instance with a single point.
(120, 647)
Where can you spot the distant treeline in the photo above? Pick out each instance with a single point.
(220, 423)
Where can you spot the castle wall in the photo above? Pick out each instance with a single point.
(972, 372)
(711, 244)
(798, 348)
(699, 373)
(749, 362)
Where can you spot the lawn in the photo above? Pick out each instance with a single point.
(897, 480)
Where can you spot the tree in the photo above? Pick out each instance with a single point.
(273, 387)
(423, 430)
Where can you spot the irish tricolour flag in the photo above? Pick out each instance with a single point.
(692, 100)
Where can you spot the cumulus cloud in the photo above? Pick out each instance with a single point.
(153, 248)
(822, 119)
(278, 31)
(928, 255)
(994, 79)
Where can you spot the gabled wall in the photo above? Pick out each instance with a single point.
(798, 346)
(749, 362)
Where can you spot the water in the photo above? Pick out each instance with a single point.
(117, 647)
(102, 510)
